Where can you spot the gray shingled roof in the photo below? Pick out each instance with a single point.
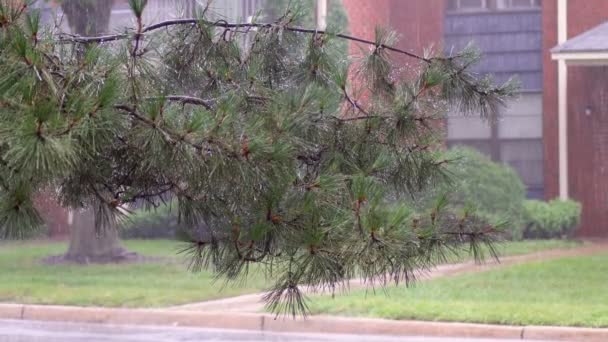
(594, 40)
(511, 43)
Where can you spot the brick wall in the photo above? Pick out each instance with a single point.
(587, 134)
(54, 216)
(365, 15)
(550, 129)
(418, 23)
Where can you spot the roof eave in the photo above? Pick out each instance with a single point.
(581, 57)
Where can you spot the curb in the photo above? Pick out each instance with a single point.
(314, 324)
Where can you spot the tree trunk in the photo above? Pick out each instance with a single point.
(88, 17)
(87, 245)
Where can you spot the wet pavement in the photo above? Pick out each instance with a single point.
(33, 331)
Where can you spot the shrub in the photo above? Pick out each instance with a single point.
(554, 219)
(493, 189)
(158, 223)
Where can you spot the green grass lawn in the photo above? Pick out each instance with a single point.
(511, 248)
(24, 278)
(568, 292)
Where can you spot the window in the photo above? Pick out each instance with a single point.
(491, 5)
(515, 139)
(467, 5)
(506, 4)
(520, 3)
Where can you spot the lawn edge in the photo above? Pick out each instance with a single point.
(314, 324)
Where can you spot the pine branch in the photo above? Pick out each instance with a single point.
(223, 24)
(185, 100)
(173, 138)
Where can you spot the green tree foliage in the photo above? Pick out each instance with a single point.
(553, 219)
(493, 190)
(337, 19)
(296, 158)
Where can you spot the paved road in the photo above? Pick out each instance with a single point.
(32, 331)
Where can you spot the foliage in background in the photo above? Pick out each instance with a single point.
(553, 219)
(284, 148)
(493, 189)
(158, 223)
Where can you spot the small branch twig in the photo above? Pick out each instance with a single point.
(172, 137)
(185, 100)
(357, 118)
(192, 21)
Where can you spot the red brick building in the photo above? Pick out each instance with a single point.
(417, 22)
(516, 37)
(582, 173)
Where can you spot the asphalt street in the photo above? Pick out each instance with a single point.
(33, 331)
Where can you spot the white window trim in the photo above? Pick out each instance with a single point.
(508, 4)
(458, 6)
(501, 5)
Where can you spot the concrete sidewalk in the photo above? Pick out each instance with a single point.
(37, 331)
(315, 324)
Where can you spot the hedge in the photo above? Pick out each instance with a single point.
(494, 189)
(554, 219)
(157, 223)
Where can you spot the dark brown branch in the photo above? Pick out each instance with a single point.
(192, 21)
(173, 137)
(249, 256)
(422, 120)
(146, 195)
(138, 36)
(357, 118)
(354, 103)
(5, 21)
(185, 99)
(141, 118)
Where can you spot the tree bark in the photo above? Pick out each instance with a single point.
(88, 17)
(87, 245)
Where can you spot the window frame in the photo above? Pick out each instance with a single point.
(508, 5)
(456, 7)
